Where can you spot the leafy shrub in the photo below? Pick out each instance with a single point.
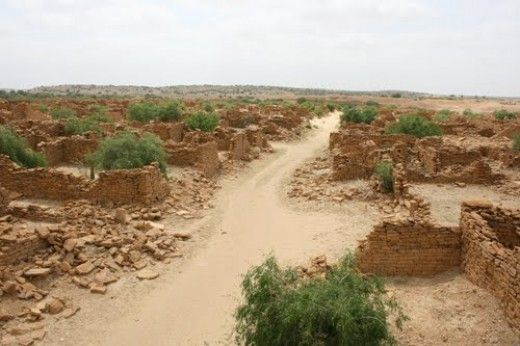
(385, 173)
(207, 107)
(344, 308)
(397, 95)
(203, 121)
(503, 114)
(91, 123)
(443, 115)
(62, 113)
(372, 103)
(126, 151)
(170, 111)
(143, 112)
(468, 113)
(414, 125)
(516, 142)
(359, 114)
(18, 150)
(301, 100)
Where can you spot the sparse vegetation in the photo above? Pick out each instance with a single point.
(414, 125)
(18, 150)
(397, 95)
(359, 114)
(443, 115)
(344, 308)
(91, 123)
(468, 113)
(203, 121)
(126, 151)
(385, 173)
(503, 114)
(62, 113)
(516, 142)
(43, 108)
(372, 103)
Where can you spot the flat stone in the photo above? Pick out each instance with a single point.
(85, 268)
(37, 272)
(147, 274)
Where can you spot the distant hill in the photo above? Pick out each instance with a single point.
(207, 91)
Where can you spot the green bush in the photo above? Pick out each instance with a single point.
(414, 125)
(468, 113)
(385, 173)
(143, 112)
(203, 121)
(91, 123)
(301, 100)
(516, 142)
(503, 114)
(372, 103)
(207, 107)
(18, 150)
(443, 115)
(359, 114)
(62, 113)
(397, 95)
(170, 111)
(344, 308)
(126, 151)
(44, 108)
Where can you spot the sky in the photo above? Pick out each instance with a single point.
(469, 47)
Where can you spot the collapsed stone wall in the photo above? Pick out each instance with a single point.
(68, 150)
(144, 185)
(491, 253)
(409, 247)
(18, 247)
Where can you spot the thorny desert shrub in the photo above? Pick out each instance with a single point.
(62, 113)
(385, 173)
(126, 151)
(503, 114)
(516, 142)
(414, 125)
(344, 308)
(18, 150)
(359, 114)
(203, 121)
(91, 123)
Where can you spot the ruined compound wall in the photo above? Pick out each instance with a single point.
(41, 182)
(409, 248)
(142, 185)
(203, 156)
(16, 248)
(4, 200)
(130, 186)
(166, 131)
(239, 147)
(491, 253)
(68, 150)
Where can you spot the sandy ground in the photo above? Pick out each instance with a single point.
(193, 300)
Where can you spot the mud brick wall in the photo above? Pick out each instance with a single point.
(130, 186)
(409, 248)
(68, 150)
(239, 147)
(209, 163)
(14, 249)
(491, 253)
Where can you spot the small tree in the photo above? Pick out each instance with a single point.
(170, 111)
(414, 125)
(385, 173)
(18, 150)
(203, 121)
(344, 308)
(359, 114)
(126, 151)
(503, 114)
(145, 112)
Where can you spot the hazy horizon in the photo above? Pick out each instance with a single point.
(438, 47)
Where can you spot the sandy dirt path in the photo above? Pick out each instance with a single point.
(196, 306)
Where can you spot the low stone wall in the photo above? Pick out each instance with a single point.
(144, 185)
(491, 253)
(414, 248)
(68, 150)
(15, 249)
